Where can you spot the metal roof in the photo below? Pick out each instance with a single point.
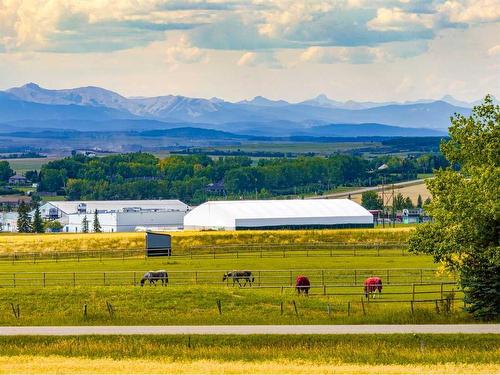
(70, 207)
(260, 212)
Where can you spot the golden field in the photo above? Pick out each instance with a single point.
(412, 191)
(60, 242)
(79, 365)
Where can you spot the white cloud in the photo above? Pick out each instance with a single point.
(184, 53)
(494, 51)
(470, 11)
(396, 19)
(261, 59)
(350, 55)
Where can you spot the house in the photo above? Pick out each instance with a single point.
(18, 180)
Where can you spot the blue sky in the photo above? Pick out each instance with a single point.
(291, 49)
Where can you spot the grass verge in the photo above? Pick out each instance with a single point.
(360, 354)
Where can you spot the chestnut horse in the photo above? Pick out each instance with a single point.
(371, 285)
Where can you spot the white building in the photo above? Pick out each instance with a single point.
(278, 214)
(8, 221)
(116, 216)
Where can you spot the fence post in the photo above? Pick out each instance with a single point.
(324, 289)
(259, 278)
(295, 308)
(388, 279)
(349, 308)
(355, 277)
(281, 307)
(104, 278)
(421, 276)
(411, 305)
(323, 277)
(441, 290)
(196, 277)
(85, 311)
(44, 279)
(329, 310)
(363, 306)
(413, 292)
(291, 278)
(74, 279)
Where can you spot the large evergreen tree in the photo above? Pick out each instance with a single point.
(464, 234)
(85, 224)
(37, 226)
(97, 225)
(23, 219)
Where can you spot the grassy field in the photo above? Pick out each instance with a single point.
(356, 354)
(30, 164)
(182, 241)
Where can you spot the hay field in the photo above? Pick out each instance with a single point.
(59, 242)
(411, 191)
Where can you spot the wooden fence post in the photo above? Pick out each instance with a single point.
(411, 305)
(363, 306)
(44, 279)
(441, 290)
(349, 308)
(323, 277)
(355, 277)
(413, 292)
(281, 307)
(85, 311)
(74, 279)
(329, 310)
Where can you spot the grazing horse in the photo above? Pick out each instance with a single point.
(302, 284)
(238, 276)
(154, 276)
(371, 285)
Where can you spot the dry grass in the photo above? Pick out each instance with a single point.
(412, 191)
(79, 365)
(10, 243)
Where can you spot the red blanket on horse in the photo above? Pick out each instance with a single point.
(372, 284)
(302, 284)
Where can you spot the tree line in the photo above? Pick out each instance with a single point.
(144, 176)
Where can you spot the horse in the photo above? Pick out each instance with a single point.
(302, 284)
(237, 276)
(154, 276)
(371, 285)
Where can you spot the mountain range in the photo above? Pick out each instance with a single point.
(32, 107)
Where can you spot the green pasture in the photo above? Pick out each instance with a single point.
(327, 349)
(221, 264)
(192, 305)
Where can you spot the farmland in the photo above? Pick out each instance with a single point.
(391, 354)
(182, 241)
(55, 288)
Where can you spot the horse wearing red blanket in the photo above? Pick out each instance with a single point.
(302, 284)
(372, 284)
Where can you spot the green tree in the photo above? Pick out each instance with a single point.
(399, 202)
(97, 225)
(428, 201)
(419, 201)
(408, 203)
(464, 233)
(37, 226)
(53, 226)
(85, 224)
(5, 171)
(371, 201)
(23, 219)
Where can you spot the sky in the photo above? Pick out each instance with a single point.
(281, 49)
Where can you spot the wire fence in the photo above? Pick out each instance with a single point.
(231, 251)
(320, 278)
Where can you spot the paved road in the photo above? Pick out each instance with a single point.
(345, 194)
(250, 330)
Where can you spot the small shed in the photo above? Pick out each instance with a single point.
(158, 244)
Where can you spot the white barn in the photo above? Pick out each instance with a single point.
(278, 214)
(116, 216)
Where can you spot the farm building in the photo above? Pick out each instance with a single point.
(116, 216)
(278, 214)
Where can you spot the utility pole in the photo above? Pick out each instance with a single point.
(393, 214)
(383, 202)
